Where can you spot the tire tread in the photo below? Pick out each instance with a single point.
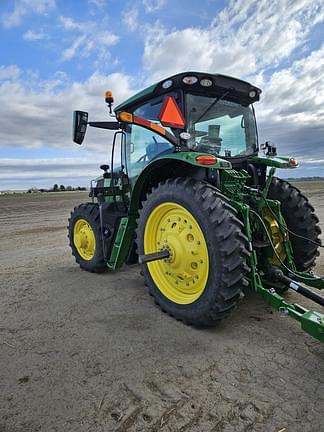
(227, 229)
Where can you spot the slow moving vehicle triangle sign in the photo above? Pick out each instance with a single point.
(170, 114)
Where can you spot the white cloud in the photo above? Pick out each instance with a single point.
(42, 116)
(97, 3)
(297, 92)
(9, 73)
(312, 161)
(152, 6)
(130, 18)
(291, 111)
(32, 168)
(69, 24)
(24, 7)
(244, 38)
(26, 173)
(32, 36)
(87, 38)
(38, 115)
(72, 51)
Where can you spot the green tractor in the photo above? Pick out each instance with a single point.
(188, 195)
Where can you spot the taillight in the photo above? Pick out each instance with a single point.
(206, 159)
(293, 162)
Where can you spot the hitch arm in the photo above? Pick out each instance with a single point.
(311, 322)
(278, 276)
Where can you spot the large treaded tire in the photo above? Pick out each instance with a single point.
(90, 213)
(300, 218)
(226, 247)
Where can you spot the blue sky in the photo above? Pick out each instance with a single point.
(57, 56)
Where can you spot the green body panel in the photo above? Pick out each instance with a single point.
(233, 183)
(120, 192)
(119, 252)
(190, 157)
(311, 321)
(272, 161)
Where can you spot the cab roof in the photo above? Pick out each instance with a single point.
(237, 90)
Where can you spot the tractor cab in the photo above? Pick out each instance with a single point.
(187, 112)
(204, 113)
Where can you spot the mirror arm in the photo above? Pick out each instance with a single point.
(105, 125)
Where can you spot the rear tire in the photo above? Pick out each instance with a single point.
(301, 219)
(195, 205)
(85, 238)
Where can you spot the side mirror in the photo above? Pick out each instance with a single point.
(80, 123)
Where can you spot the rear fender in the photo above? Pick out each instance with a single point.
(167, 166)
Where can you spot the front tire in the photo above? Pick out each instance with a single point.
(85, 238)
(200, 282)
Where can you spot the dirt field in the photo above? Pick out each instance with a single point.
(84, 352)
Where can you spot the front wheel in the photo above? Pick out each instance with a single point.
(85, 238)
(200, 282)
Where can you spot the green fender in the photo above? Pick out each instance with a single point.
(174, 158)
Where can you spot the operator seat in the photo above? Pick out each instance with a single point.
(211, 143)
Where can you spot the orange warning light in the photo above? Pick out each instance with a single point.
(125, 117)
(109, 97)
(170, 114)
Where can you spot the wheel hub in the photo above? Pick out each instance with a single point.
(276, 236)
(183, 276)
(84, 239)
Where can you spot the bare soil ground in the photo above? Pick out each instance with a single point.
(84, 352)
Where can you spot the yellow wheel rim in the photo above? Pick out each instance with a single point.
(276, 236)
(182, 277)
(84, 239)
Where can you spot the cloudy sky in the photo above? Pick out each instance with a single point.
(57, 56)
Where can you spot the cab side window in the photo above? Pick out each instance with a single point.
(144, 145)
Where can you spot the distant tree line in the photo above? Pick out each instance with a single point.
(57, 188)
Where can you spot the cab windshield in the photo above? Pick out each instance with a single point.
(220, 127)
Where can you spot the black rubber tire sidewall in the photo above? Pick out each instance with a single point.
(217, 300)
(300, 218)
(90, 213)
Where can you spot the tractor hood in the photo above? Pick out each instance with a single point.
(212, 85)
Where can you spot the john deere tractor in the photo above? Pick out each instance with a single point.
(191, 195)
